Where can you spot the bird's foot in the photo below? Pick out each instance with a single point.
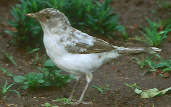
(81, 102)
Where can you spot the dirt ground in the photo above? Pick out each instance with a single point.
(114, 74)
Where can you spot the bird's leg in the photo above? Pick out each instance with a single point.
(89, 77)
(73, 89)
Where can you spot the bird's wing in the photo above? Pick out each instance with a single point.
(82, 43)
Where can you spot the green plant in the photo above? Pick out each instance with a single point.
(34, 50)
(10, 58)
(93, 17)
(101, 89)
(64, 100)
(153, 35)
(5, 71)
(164, 4)
(150, 93)
(160, 65)
(27, 31)
(49, 75)
(36, 57)
(7, 88)
(48, 105)
(122, 29)
(167, 23)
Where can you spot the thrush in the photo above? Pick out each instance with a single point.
(74, 51)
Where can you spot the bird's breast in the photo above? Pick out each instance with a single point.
(53, 49)
(79, 62)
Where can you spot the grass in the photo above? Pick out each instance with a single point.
(164, 4)
(156, 64)
(149, 93)
(48, 105)
(49, 75)
(7, 88)
(36, 57)
(101, 89)
(10, 58)
(64, 100)
(92, 17)
(155, 33)
(6, 72)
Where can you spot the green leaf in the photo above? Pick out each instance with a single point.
(65, 100)
(41, 81)
(122, 29)
(49, 63)
(55, 106)
(34, 50)
(150, 93)
(60, 99)
(154, 92)
(17, 92)
(152, 36)
(138, 91)
(132, 85)
(47, 104)
(167, 69)
(10, 58)
(4, 70)
(102, 18)
(19, 79)
(9, 32)
(100, 89)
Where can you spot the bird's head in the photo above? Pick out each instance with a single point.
(50, 16)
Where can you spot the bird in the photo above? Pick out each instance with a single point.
(77, 52)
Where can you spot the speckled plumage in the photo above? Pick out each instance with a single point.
(74, 51)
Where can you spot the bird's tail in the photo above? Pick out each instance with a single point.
(150, 50)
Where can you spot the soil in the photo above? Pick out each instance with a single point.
(114, 75)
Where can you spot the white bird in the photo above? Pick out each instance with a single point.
(74, 51)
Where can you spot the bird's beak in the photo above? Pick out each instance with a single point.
(31, 15)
